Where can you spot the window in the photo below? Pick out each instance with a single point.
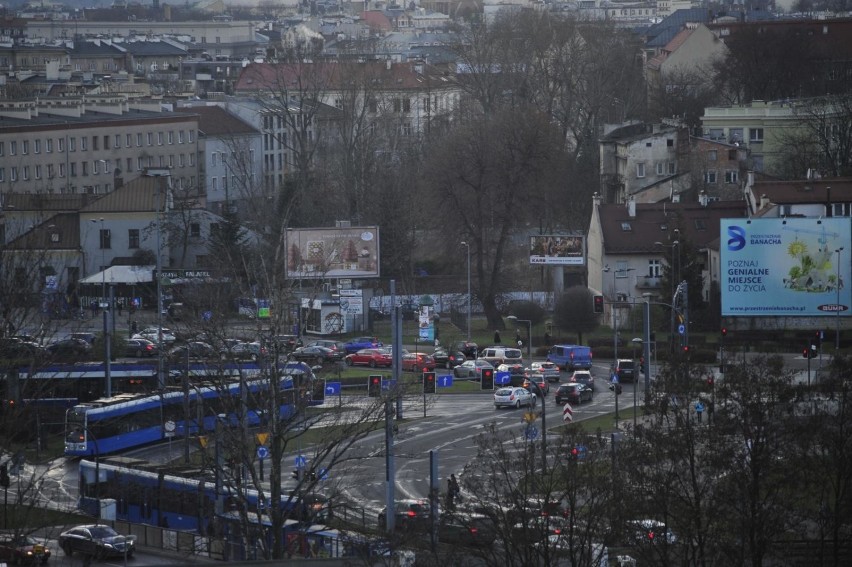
(13, 174)
(182, 160)
(214, 183)
(105, 239)
(139, 140)
(191, 136)
(61, 170)
(84, 168)
(171, 137)
(710, 176)
(117, 141)
(150, 136)
(655, 269)
(2, 148)
(161, 161)
(84, 144)
(755, 134)
(129, 166)
(625, 226)
(195, 229)
(731, 176)
(213, 159)
(712, 155)
(700, 224)
(180, 136)
(38, 172)
(128, 140)
(171, 160)
(25, 147)
(671, 168)
(661, 168)
(72, 144)
(94, 143)
(106, 142)
(3, 174)
(133, 238)
(735, 135)
(73, 169)
(191, 160)
(669, 143)
(640, 170)
(13, 148)
(96, 167)
(60, 144)
(26, 172)
(841, 209)
(140, 163)
(159, 138)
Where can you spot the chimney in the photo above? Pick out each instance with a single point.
(764, 202)
(703, 199)
(596, 200)
(631, 207)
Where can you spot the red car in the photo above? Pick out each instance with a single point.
(417, 362)
(371, 357)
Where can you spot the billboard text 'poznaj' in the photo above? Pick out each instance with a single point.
(785, 267)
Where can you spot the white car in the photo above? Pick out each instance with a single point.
(514, 398)
(150, 333)
(585, 378)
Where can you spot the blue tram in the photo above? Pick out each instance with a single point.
(126, 421)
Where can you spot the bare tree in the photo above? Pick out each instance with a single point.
(574, 312)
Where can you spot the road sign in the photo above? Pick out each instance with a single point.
(332, 388)
(202, 440)
(170, 427)
(681, 329)
(530, 417)
(388, 384)
(614, 379)
(262, 452)
(207, 315)
(567, 413)
(445, 381)
(531, 432)
(301, 461)
(581, 452)
(502, 378)
(323, 474)
(261, 438)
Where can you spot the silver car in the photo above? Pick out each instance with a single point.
(548, 369)
(514, 398)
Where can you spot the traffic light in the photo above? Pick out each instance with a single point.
(710, 381)
(724, 332)
(428, 382)
(806, 352)
(575, 454)
(4, 476)
(487, 379)
(599, 304)
(817, 340)
(374, 386)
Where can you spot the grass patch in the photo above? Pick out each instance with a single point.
(28, 518)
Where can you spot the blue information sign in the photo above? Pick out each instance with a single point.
(301, 461)
(332, 388)
(262, 452)
(502, 378)
(445, 381)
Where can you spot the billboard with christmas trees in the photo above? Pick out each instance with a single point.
(322, 253)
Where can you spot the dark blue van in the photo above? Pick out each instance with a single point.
(570, 357)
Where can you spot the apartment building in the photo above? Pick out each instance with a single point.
(92, 144)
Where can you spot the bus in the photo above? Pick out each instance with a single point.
(126, 421)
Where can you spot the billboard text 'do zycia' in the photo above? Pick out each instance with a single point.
(785, 267)
(557, 250)
(351, 252)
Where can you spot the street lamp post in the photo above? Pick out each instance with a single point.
(105, 307)
(837, 320)
(469, 297)
(529, 332)
(541, 395)
(636, 341)
(675, 280)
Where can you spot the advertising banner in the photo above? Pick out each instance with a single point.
(324, 253)
(352, 301)
(557, 250)
(785, 267)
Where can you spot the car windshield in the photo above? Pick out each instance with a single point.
(504, 392)
(100, 532)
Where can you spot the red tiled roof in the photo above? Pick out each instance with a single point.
(655, 222)
(376, 20)
(837, 190)
(65, 225)
(216, 121)
(138, 195)
(320, 77)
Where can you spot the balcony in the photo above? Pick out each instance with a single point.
(648, 282)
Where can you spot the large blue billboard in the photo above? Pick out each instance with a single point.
(786, 267)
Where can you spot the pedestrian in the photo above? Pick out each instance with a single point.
(496, 337)
(120, 305)
(518, 337)
(94, 307)
(546, 338)
(453, 490)
(699, 409)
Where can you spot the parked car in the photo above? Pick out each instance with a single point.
(88, 337)
(585, 378)
(417, 362)
(408, 515)
(97, 540)
(448, 359)
(151, 333)
(69, 348)
(471, 369)
(468, 529)
(247, 351)
(468, 348)
(19, 549)
(285, 343)
(361, 343)
(625, 370)
(194, 349)
(539, 379)
(513, 398)
(317, 354)
(573, 393)
(371, 357)
(336, 346)
(140, 348)
(14, 347)
(548, 369)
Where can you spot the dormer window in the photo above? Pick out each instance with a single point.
(54, 237)
(626, 227)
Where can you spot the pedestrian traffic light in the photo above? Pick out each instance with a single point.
(428, 382)
(5, 482)
(575, 453)
(724, 332)
(374, 386)
(806, 352)
(487, 382)
(710, 381)
(599, 304)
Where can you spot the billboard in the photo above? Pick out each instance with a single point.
(351, 252)
(557, 250)
(785, 267)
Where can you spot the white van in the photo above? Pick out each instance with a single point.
(502, 355)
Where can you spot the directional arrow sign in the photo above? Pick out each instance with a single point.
(445, 381)
(388, 384)
(502, 378)
(332, 388)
